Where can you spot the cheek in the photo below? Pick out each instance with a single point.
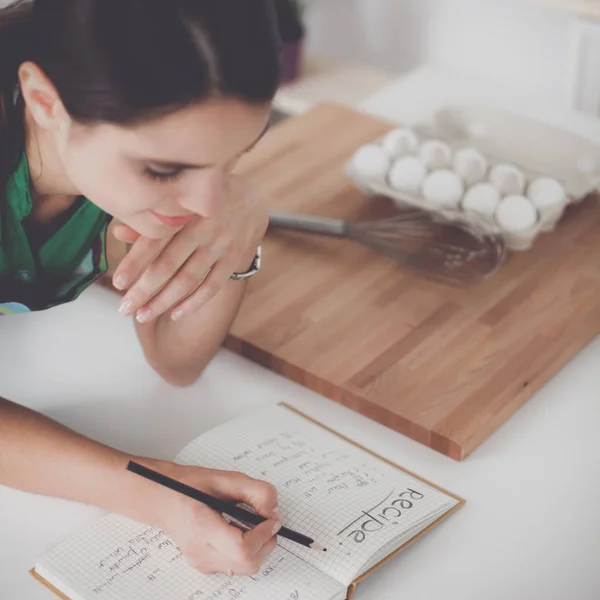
(202, 192)
(109, 181)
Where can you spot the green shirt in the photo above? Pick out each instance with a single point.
(43, 266)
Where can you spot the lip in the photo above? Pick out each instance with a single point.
(173, 221)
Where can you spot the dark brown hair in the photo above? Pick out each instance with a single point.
(124, 61)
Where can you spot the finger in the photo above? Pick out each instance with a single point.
(209, 561)
(125, 234)
(224, 538)
(202, 554)
(164, 269)
(143, 252)
(261, 539)
(248, 566)
(237, 487)
(216, 279)
(252, 551)
(193, 275)
(243, 528)
(264, 553)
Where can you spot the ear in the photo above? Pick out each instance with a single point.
(41, 97)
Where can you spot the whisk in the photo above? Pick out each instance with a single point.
(449, 252)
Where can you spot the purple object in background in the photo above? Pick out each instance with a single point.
(292, 61)
(293, 35)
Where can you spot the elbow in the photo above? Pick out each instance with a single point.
(179, 375)
(177, 364)
(180, 380)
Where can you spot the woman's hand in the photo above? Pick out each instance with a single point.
(185, 271)
(205, 538)
(40, 456)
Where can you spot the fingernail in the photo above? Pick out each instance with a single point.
(277, 514)
(144, 316)
(125, 308)
(120, 282)
(276, 528)
(177, 314)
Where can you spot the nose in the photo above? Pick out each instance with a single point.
(206, 198)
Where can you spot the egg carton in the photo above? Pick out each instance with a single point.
(539, 146)
(527, 202)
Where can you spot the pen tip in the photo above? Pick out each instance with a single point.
(319, 547)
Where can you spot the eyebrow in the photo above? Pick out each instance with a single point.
(180, 166)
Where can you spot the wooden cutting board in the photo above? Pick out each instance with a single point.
(442, 365)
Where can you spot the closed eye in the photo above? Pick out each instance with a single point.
(163, 176)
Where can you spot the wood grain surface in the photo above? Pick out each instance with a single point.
(445, 366)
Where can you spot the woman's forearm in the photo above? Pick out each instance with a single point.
(180, 350)
(41, 456)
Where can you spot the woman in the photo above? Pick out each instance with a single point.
(137, 110)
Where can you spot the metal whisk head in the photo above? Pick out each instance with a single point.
(446, 251)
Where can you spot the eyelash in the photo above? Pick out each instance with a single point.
(163, 177)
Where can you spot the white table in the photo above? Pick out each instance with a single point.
(530, 529)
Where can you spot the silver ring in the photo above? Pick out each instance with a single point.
(253, 270)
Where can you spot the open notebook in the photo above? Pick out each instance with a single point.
(361, 507)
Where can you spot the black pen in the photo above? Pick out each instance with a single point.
(221, 506)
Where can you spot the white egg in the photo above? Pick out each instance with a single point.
(370, 162)
(516, 213)
(443, 188)
(482, 199)
(470, 165)
(435, 154)
(407, 174)
(400, 142)
(550, 198)
(508, 179)
(546, 192)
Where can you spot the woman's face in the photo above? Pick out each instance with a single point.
(158, 175)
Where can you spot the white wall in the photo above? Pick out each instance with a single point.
(512, 41)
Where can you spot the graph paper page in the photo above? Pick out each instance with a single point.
(329, 489)
(118, 559)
